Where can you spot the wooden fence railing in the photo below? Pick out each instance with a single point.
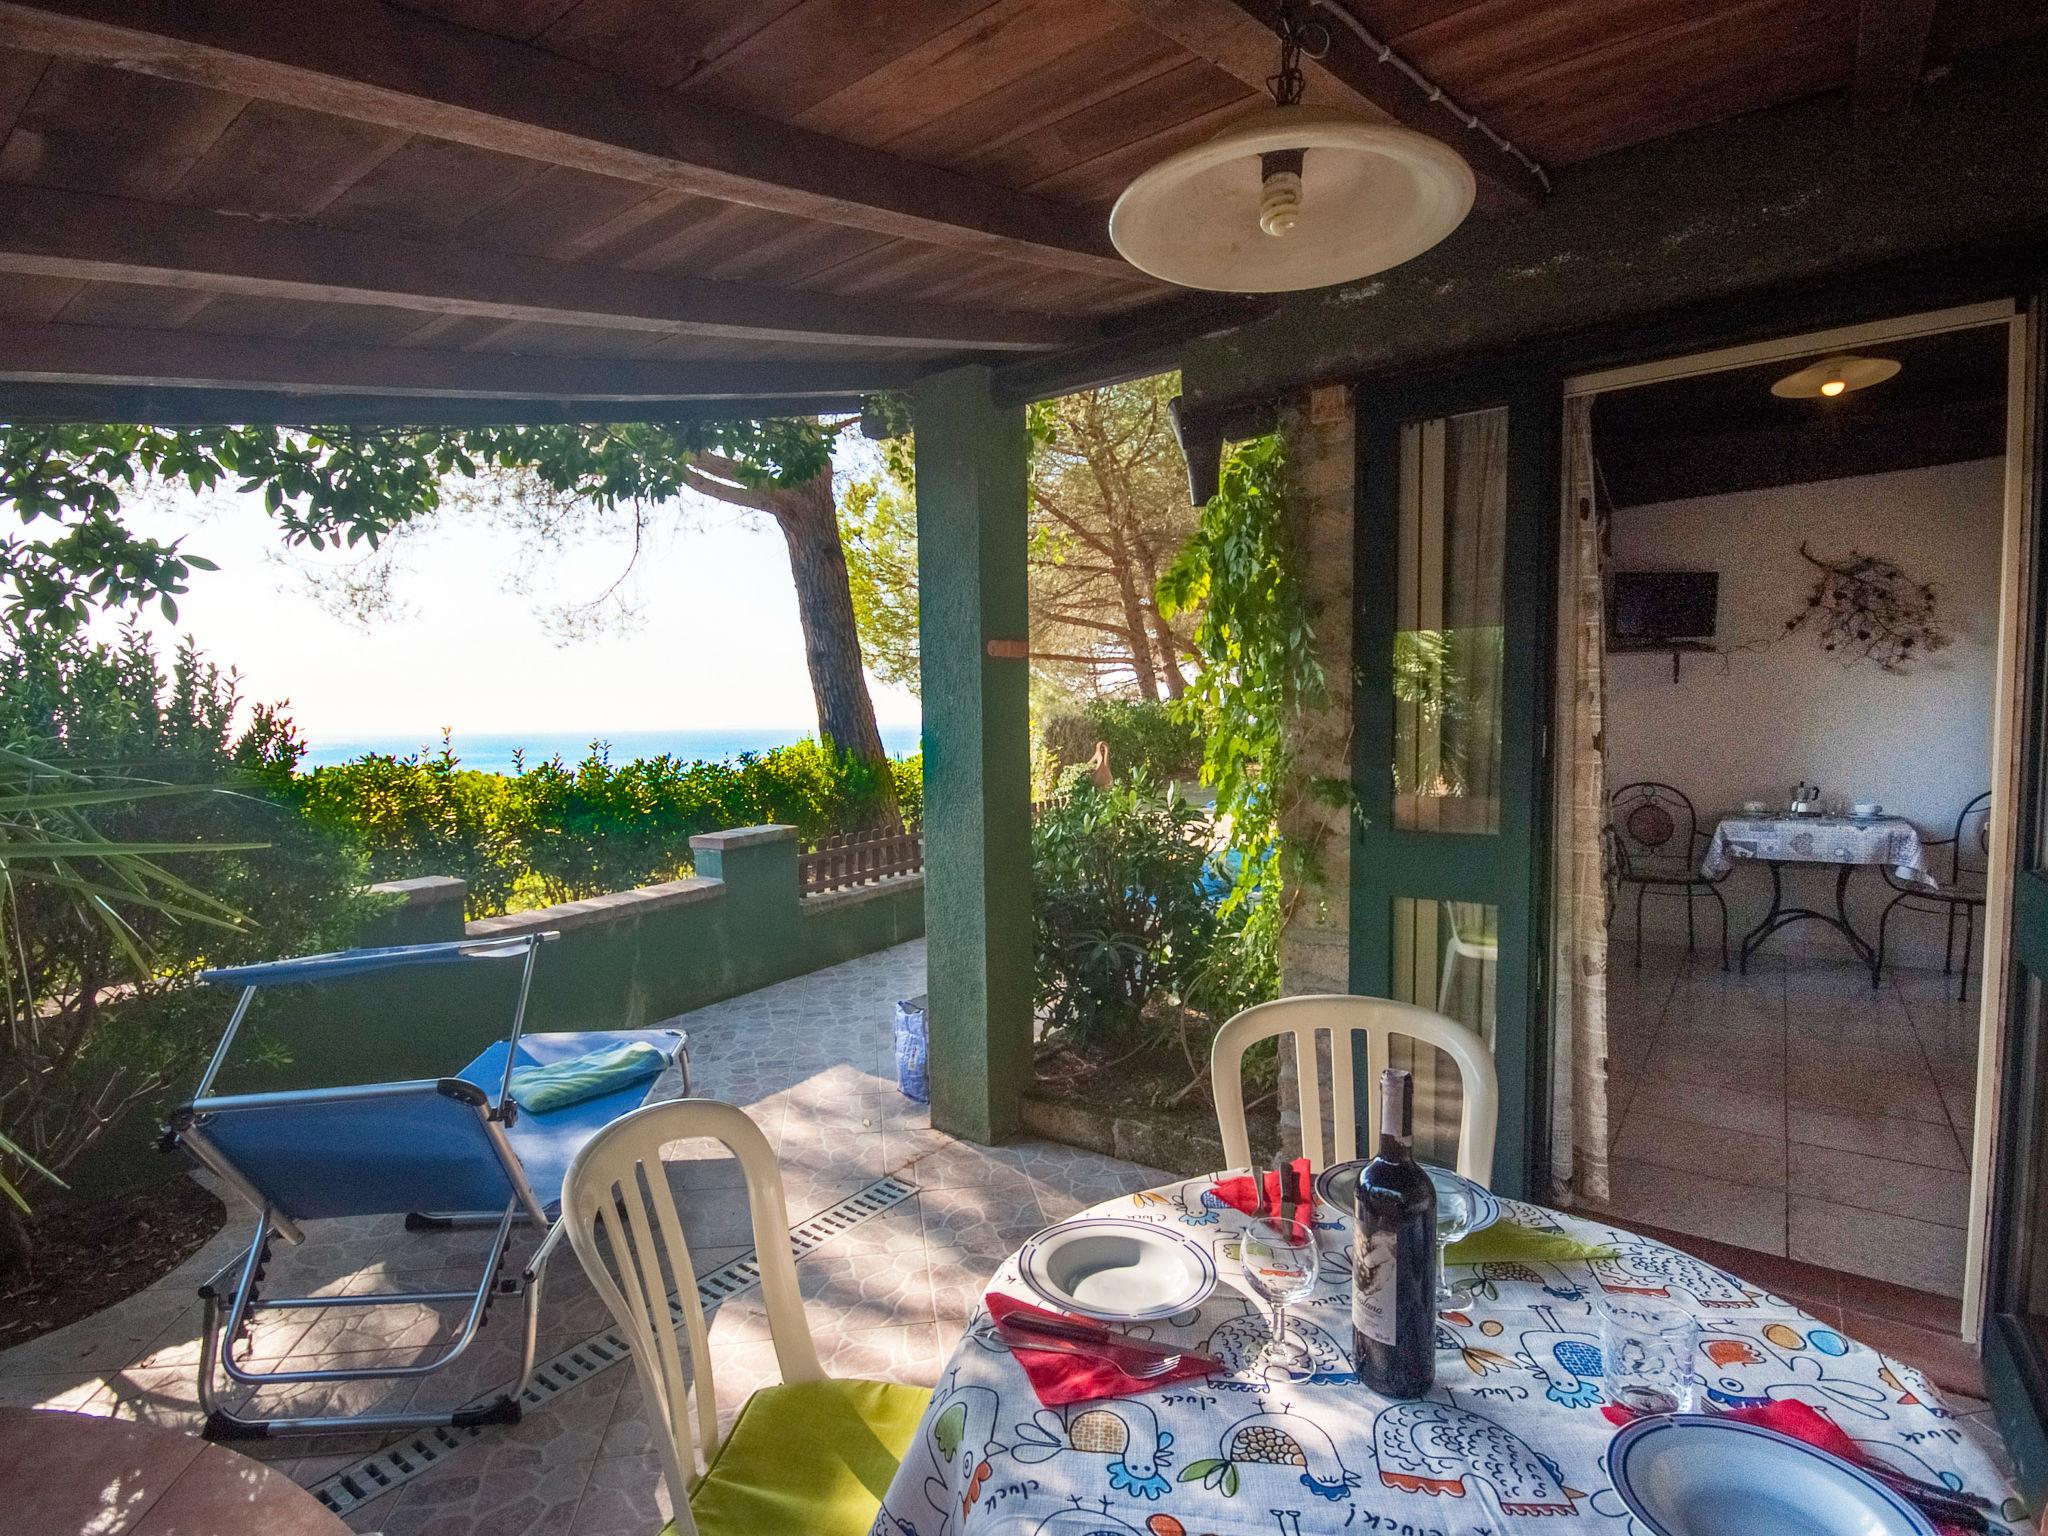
(860, 858)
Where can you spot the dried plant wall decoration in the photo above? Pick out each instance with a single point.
(1865, 608)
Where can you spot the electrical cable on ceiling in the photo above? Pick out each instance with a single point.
(1427, 86)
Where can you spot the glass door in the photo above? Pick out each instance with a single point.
(1456, 505)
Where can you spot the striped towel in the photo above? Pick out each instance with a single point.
(591, 1075)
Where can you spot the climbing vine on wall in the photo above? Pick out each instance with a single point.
(1866, 608)
(1256, 673)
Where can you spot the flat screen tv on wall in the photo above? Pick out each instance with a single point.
(1658, 608)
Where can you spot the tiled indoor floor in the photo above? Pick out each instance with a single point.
(1795, 1111)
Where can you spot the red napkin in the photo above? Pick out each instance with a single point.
(1060, 1378)
(1241, 1194)
(1800, 1422)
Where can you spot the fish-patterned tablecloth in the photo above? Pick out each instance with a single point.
(1882, 840)
(1511, 1439)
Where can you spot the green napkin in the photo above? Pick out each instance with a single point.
(540, 1089)
(1509, 1242)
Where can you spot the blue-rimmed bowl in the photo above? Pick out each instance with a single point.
(1698, 1475)
(1337, 1187)
(1117, 1270)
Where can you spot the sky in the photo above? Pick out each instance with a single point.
(712, 639)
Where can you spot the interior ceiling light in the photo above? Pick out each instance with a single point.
(1833, 376)
(1291, 197)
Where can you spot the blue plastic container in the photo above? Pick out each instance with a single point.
(911, 1040)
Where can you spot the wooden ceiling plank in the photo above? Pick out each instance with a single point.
(106, 130)
(198, 407)
(47, 233)
(370, 61)
(1891, 52)
(1241, 38)
(84, 354)
(963, 63)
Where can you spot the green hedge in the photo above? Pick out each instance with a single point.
(559, 831)
(1144, 738)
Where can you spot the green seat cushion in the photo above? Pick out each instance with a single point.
(810, 1456)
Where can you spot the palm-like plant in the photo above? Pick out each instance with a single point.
(52, 855)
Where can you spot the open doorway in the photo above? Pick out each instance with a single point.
(1800, 645)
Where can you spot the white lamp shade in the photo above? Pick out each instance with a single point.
(1372, 196)
(1851, 373)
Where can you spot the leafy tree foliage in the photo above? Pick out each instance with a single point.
(1109, 509)
(351, 487)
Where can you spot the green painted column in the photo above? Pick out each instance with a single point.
(977, 751)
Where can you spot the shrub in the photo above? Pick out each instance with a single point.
(102, 1016)
(1145, 738)
(559, 831)
(1121, 919)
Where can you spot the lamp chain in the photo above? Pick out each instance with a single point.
(1286, 87)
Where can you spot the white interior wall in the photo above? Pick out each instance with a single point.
(1747, 723)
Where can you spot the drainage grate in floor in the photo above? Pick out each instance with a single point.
(405, 1459)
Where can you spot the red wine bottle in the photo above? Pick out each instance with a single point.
(1393, 1282)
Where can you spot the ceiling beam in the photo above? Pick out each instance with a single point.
(47, 233)
(1891, 52)
(91, 354)
(376, 63)
(1144, 342)
(1241, 37)
(187, 406)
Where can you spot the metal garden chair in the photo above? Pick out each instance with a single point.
(1958, 894)
(1657, 845)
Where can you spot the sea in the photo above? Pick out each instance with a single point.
(491, 751)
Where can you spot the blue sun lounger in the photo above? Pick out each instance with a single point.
(444, 1152)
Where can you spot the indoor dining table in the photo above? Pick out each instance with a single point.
(1849, 843)
(1511, 1439)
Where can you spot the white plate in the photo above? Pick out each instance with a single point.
(1116, 1270)
(1696, 1475)
(1337, 1187)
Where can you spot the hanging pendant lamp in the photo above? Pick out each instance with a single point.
(1833, 376)
(1292, 197)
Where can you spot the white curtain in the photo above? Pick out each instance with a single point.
(1579, 907)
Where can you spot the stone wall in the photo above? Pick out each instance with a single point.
(1315, 945)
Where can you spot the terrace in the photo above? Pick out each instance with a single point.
(460, 212)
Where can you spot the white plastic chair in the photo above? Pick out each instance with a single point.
(1467, 942)
(1342, 1018)
(813, 1444)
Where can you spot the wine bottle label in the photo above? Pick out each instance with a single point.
(1372, 1290)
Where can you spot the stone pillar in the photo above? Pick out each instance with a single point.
(972, 644)
(1315, 947)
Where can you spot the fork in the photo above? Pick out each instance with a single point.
(1153, 1365)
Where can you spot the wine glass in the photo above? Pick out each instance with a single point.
(1279, 1258)
(1455, 1212)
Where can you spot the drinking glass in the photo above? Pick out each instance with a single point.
(1647, 1352)
(1279, 1257)
(1455, 1213)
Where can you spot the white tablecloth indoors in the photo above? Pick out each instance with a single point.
(1882, 840)
(1510, 1440)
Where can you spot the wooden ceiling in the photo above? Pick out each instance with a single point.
(515, 205)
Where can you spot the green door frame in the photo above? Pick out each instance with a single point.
(2015, 1349)
(1508, 869)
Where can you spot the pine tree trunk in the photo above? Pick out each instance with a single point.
(824, 602)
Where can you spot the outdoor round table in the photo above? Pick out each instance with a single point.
(1511, 1438)
(64, 1473)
